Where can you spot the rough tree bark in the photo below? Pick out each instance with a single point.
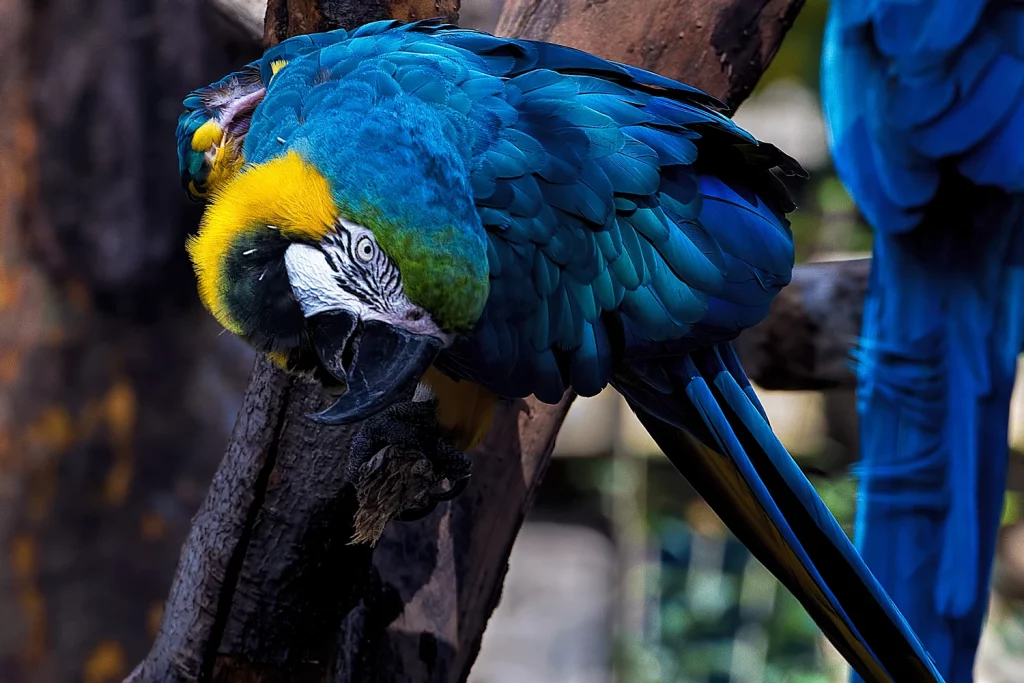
(266, 574)
(719, 46)
(805, 342)
(292, 17)
(265, 579)
(116, 392)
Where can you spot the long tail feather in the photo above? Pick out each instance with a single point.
(942, 330)
(749, 479)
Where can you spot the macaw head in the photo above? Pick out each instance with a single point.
(212, 130)
(355, 253)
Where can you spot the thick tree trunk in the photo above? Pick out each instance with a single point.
(719, 46)
(116, 392)
(805, 342)
(291, 17)
(252, 598)
(436, 582)
(266, 574)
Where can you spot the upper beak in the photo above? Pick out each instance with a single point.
(378, 363)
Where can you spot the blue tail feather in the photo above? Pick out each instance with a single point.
(746, 475)
(936, 372)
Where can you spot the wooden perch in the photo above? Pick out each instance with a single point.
(719, 46)
(266, 574)
(266, 577)
(291, 17)
(805, 342)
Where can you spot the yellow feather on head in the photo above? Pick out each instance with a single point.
(224, 156)
(286, 194)
(276, 66)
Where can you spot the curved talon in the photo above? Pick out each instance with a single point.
(456, 489)
(407, 427)
(416, 513)
(413, 514)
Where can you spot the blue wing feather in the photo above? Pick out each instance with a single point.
(912, 82)
(924, 101)
(779, 515)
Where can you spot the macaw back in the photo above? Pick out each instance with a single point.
(604, 204)
(925, 105)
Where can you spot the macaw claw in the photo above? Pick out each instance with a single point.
(398, 462)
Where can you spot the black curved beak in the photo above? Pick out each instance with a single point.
(378, 363)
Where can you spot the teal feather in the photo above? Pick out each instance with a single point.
(925, 107)
(634, 170)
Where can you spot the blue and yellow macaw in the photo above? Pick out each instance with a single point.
(925, 105)
(500, 218)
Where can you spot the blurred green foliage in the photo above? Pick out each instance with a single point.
(798, 57)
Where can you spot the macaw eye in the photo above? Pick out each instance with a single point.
(365, 249)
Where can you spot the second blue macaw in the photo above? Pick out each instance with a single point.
(925, 104)
(498, 218)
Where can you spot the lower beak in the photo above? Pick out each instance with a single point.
(378, 363)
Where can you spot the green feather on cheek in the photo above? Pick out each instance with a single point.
(443, 270)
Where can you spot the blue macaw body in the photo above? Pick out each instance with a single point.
(576, 223)
(925, 103)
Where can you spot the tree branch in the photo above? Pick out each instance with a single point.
(719, 46)
(436, 582)
(266, 574)
(292, 17)
(266, 577)
(804, 343)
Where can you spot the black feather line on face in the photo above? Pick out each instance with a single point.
(259, 296)
(376, 283)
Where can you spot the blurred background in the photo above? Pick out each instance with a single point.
(620, 574)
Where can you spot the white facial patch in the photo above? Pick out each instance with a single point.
(315, 284)
(348, 271)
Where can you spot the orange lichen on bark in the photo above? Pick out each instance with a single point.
(120, 416)
(6, 449)
(24, 561)
(152, 526)
(42, 442)
(52, 431)
(36, 448)
(10, 288)
(9, 365)
(106, 663)
(154, 615)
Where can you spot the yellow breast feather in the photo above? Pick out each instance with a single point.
(464, 409)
